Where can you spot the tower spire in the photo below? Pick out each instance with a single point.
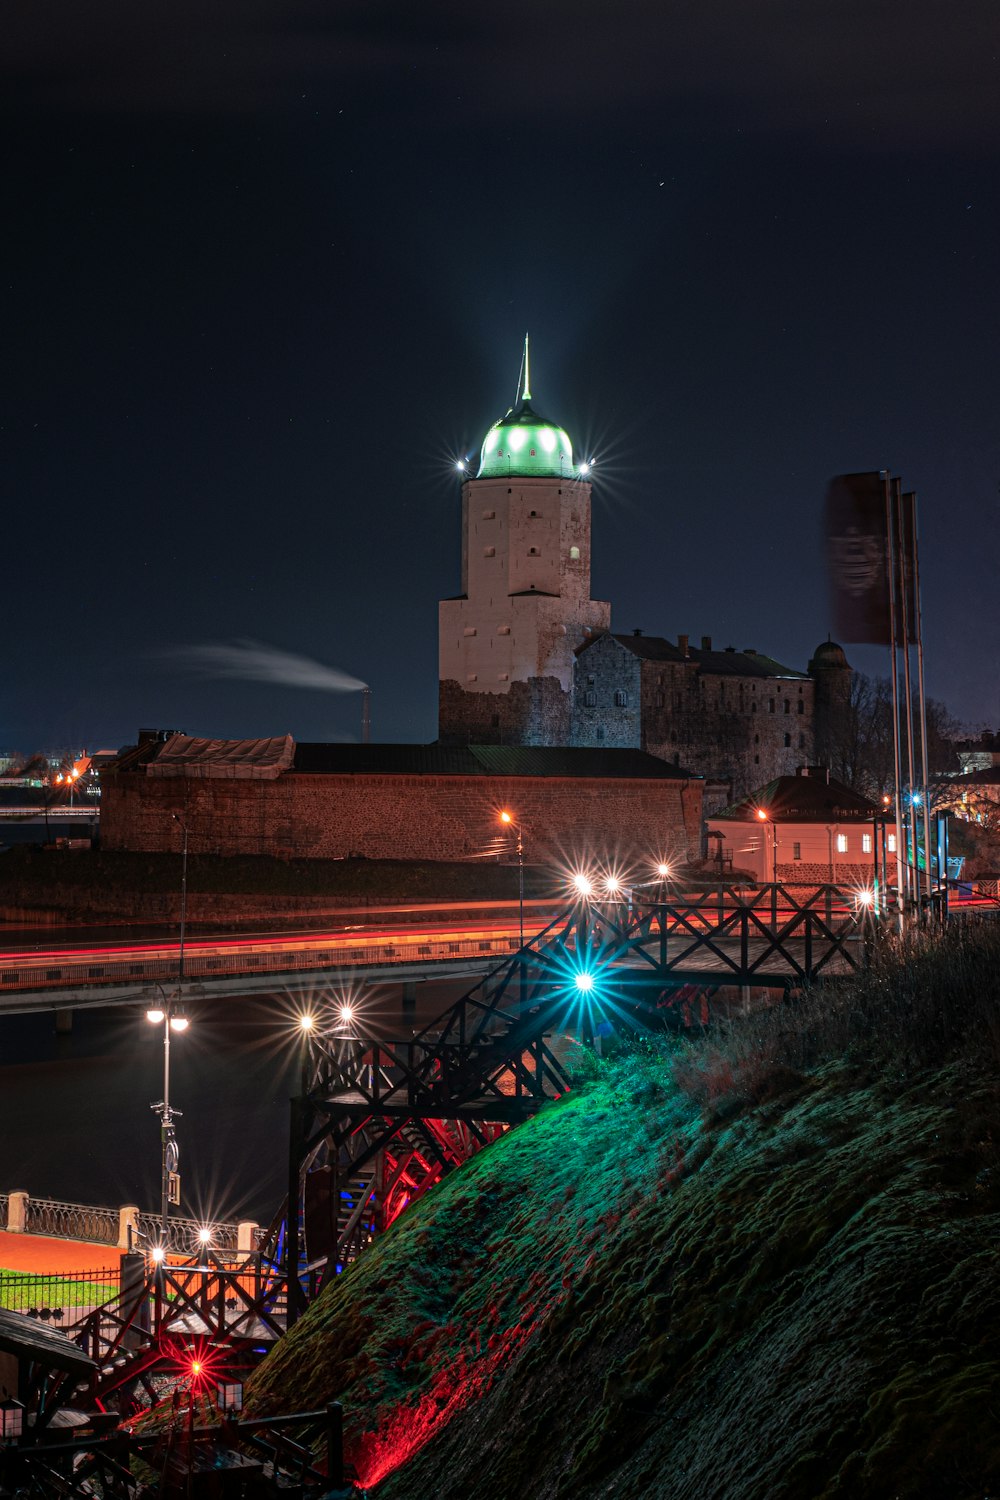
(526, 393)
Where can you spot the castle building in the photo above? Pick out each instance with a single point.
(507, 643)
(528, 658)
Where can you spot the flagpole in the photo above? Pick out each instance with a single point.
(897, 759)
(913, 872)
(918, 622)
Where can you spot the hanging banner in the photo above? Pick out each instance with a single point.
(856, 555)
(906, 532)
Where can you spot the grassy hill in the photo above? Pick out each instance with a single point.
(761, 1263)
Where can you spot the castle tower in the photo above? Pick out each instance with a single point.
(507, 642)
(831, 672)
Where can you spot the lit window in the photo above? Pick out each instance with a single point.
(489, 552)
(866, 843)
(892, 843)
(796, 851)
(841, 843)
(574, 554)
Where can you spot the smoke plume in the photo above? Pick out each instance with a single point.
(255, 662)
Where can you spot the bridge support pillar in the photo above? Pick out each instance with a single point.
(64, 1022)
(409, 996)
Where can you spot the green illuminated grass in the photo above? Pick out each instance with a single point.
(49, 1291)
(761, 1265)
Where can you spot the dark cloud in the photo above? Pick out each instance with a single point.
(870, 74)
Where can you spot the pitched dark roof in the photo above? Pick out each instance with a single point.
(985, 776)
(480, 760)
(801, 799)
(728, 663)
(46, 1346)
(743, 664)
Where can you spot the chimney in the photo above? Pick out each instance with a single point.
(637, 632)
(682, 642)
(706, 643)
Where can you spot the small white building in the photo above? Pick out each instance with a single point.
(806, 829)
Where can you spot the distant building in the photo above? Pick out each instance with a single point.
(526, 657)
(806, 829)
(419, 802)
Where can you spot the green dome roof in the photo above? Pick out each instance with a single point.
(526, 444)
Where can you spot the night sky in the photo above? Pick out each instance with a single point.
(266, 270)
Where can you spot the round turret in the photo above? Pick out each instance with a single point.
(527, 444)
(826, 656)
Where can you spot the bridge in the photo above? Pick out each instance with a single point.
(766, 935)
(379, 1121)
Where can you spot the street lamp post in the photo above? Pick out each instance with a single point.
(506, 818)
(172, 1020)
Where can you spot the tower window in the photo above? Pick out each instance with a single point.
(788, 707)
(621, 698)
(796, 850)
(590, 698)
(574, 554)
(891, 843)
(788, 741)
(531, 453)
(532, 513)
(802, 742)
(770, 705)
(489, 515)
(841, 843)
(802, 706)
(600, 731)
(533, 552)
(489, 552)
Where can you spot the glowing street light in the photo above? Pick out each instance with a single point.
(508, 820)
(584, 982)
(583, 885)
(170, 1182)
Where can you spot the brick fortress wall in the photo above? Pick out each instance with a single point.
(403, 817)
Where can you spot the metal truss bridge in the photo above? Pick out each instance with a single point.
(379, 1121)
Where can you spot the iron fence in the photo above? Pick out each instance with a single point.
(102, 1226)
(57, 1299)
(71, 1221)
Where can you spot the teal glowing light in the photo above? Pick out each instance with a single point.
(584, 982)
